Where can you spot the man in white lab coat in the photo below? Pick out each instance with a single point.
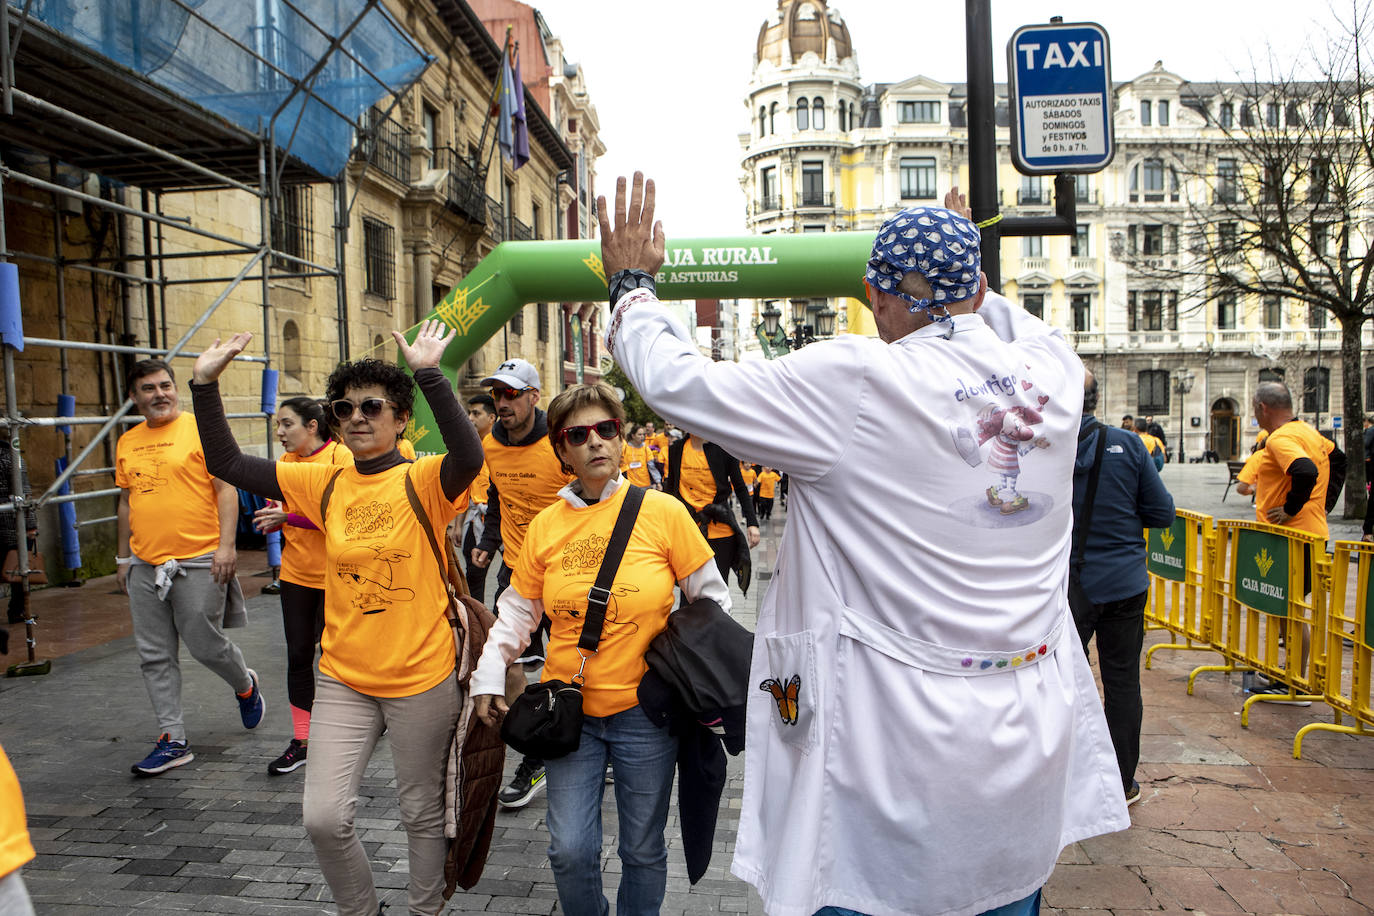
(926, 736)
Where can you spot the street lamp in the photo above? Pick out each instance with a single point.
(825, 322)
(1183, 383)
(771, 317)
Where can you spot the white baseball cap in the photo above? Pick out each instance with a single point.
(514, 373)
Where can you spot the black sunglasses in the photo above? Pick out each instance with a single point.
(577, 435)
(371, 407)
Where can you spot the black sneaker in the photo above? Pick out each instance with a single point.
(1133, 793)
(528, 782)
(272, 588)
(293, 758)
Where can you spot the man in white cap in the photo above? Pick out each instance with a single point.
(526, 476)
(926, 737)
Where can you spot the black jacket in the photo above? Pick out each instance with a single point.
(725, 470)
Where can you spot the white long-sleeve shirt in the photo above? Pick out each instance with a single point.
(927, 736)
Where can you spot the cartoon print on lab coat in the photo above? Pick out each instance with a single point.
(1009, 429)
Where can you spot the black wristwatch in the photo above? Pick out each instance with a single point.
(623, 281)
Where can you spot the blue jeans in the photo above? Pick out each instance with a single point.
(1027, 906)
(643, 758)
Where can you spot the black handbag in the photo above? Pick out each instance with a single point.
(546, 720)
(704, 655)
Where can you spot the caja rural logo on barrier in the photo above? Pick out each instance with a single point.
(1168, 549)
(1262, 571)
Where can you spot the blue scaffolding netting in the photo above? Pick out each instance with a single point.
(278, 64)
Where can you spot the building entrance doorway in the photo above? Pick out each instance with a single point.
(1225, 430)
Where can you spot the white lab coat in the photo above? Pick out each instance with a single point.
(948, 741)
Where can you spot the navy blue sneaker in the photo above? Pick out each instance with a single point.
(253, 706)
(165, 755)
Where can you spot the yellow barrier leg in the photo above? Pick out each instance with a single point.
(1224, 668)
(1356, 729)
(1292, 697)
(1182, 647)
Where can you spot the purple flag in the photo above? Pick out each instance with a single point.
(512, 131)
(522, 127)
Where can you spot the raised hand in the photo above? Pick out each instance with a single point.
(636, 242)
(212, 360)
(430, 342)
(958, 203)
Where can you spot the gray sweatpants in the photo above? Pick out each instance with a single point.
(14, 897)
(344, 728)
(192, 611)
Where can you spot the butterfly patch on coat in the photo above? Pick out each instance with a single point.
(784, 693)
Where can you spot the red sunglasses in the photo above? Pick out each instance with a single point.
(577, 435)
(508, 394)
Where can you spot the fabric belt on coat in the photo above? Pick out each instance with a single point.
(929, 656)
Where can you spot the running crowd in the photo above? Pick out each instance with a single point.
(916, 668)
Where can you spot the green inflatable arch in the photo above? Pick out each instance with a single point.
(516, 274)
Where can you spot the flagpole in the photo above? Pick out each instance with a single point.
(495, 90)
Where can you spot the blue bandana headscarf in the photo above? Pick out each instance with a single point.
(938, 244)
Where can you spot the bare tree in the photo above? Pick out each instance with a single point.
(1281, 204)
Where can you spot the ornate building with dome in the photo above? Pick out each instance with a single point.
(826, 152)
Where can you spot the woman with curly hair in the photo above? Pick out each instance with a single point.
(387, 653)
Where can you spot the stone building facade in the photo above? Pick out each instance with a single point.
(827, 152)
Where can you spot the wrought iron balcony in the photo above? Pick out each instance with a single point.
(496, 219)
(385, 144)
(464, 185)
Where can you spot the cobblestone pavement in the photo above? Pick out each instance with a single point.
(1229, 822)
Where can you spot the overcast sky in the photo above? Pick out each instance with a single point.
(668, 79)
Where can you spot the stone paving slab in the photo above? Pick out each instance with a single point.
(1229, 821)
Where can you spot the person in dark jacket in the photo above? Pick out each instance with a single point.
(1108, 561)
(702, 475)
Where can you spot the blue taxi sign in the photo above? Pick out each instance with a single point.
(1060, 91)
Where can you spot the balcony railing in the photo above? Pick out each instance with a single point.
(1088, 340)
(1086, 196)
(817, 199)
(769, 203)
(519, 232)
(1035, 263)
(496, 219)
(385, 144)
(1090, 265)
(463, 186)
(1024, 196)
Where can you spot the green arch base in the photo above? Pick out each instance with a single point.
(516, 274)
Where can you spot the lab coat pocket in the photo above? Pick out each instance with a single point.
(792, 686)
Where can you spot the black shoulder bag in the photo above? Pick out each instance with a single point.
(546, 720)
(1079, 602)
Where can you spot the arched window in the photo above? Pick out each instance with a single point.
(773, 118)
(803, 114)
(763, 119)
(852, 123)
(818, 113)
(842, 120)
(377, 342)
(291, 349)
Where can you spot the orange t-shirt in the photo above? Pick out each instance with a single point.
(173, 510)
(698, 486)
(15, 846)
(302, 549)
(481, 484)
(527, 478)
(563, 553)
(386, 633)
(658, 444)
(1268, 470)
(634, 461)
(768, 483)
(749, 476)
(1152, 444)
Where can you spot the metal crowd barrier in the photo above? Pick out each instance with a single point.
(1349, 644)
(1180, 561)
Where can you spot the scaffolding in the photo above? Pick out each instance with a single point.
(99, 100)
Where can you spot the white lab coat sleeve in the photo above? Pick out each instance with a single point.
(706, 583)
(1010, 321)
(795, 413)
(508, 636)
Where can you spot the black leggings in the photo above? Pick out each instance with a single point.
(302, 619)
(724, 549)
(765, 508)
